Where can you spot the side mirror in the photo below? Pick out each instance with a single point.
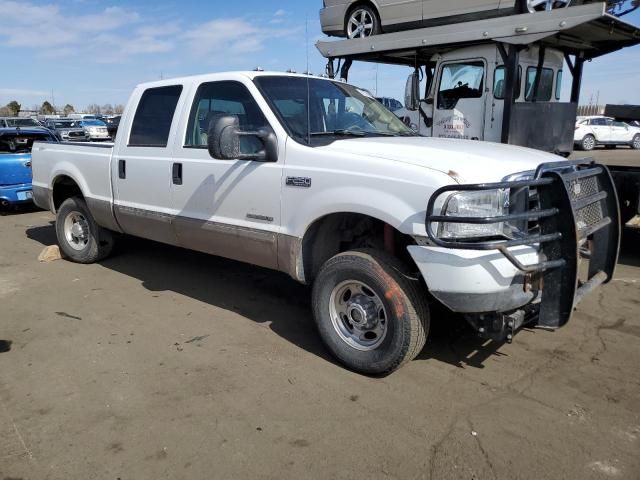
(223, 141)
(412, 92)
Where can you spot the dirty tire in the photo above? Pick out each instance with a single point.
(97, 242)
(635, 143)
(588, 143)
(403, 299)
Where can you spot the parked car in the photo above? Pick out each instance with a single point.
(598, 130)
(15, 162)
(357, 18)
(315, 178)
(10, 122)
(112, 123)
(96, 129)
(67, 130)
(391, 103)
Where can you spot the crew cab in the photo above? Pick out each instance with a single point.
(315, 178)
(15, 162)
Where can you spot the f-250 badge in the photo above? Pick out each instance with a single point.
(298, 182)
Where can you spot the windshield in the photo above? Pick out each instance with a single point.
(21, 122)
(335, 109)
(93, 123)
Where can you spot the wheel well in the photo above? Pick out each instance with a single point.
(340, 232)
(64, 187)
(362, 3)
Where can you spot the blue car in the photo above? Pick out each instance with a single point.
(15, 162)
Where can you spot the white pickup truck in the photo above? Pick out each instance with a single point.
(315, 178)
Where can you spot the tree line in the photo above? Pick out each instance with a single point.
(13, 109)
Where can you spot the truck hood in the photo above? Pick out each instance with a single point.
(467, 161)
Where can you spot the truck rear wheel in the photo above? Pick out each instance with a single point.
(79, 237)
(370, 314)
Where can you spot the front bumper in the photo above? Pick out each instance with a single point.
(570, 217)
(95, 136)
(473, 281)
(15, 194)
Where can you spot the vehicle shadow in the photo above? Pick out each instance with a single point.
(5, 345)
(452, 340)
(266, 297)
(18, 209)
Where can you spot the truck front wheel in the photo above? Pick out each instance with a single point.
(79, 237)
(370, 314)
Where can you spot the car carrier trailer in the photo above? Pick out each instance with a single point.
(578, 34)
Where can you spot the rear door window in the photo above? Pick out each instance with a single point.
(558, 84)
(152, 122)
(545, 88)
(499, 82)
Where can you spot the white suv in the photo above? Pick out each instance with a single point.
(596, 130)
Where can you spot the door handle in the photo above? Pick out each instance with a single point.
(122, 168)
(177, 173)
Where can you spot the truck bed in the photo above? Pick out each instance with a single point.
(87, 164)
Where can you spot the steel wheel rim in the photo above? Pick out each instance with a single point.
(360, 24)
(588, 143)
(76, 231)
(358, 315)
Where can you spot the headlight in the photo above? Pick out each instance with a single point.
(484, 203)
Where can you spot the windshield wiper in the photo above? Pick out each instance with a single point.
(340, 132)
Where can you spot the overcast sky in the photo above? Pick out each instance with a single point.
(93, 51)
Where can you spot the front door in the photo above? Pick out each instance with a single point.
(620, 132)
(229, 208)
(601, 128)
(141, 167)
(460, 100)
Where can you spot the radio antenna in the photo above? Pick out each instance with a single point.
(306, 47)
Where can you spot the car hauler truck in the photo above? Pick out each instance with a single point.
(495, 79)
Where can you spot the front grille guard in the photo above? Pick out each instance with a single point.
(561, 213)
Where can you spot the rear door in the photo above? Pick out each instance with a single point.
(433, 9)
(401, 12)
(460, 100)
(141, 166)
(601, 128)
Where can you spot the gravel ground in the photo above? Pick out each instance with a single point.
(164, 363)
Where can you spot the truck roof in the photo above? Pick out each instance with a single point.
(251, 74)
(583, 28)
